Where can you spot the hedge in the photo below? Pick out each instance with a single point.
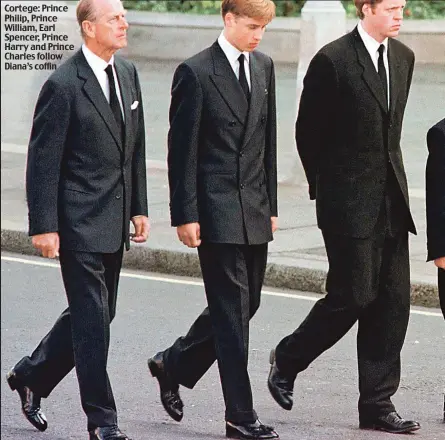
(419, 9)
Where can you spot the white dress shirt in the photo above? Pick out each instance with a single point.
(98, 66)
(232, 54)
(372, 46)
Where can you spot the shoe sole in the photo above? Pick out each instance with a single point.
(10, 379)
(152, 367)
(391, 431)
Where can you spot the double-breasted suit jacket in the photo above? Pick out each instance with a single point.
(347, 137)
(90, 181)
(222, 168)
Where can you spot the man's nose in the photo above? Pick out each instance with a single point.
(124, 23)
(259, 34)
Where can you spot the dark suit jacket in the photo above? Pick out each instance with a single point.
(81, 180)
(221, 152)
(435, 191)
(344, 131)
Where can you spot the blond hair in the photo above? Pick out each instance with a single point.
(262, 9)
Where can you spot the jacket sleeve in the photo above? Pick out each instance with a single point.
(45, 151)
(435, 194)
(183, 138)
(316, 116)
(270, 156)
(139, 205)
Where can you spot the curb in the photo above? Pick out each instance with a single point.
(187, 264)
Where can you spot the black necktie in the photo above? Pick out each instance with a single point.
(242, 77)
(114, 102)
(382, 71)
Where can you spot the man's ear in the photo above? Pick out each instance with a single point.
(368, 9)
(88, 29)
(229, 19)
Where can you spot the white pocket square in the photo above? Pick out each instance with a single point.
(134, 105)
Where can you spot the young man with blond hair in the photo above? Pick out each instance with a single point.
(223, 201)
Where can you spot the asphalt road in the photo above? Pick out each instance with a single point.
(153, 310)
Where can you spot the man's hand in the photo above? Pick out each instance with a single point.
(47, 243)
(440, 262)
(141, 228)
(189, 234)
(274, 223)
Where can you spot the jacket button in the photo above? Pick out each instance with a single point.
(241, 154)
(118, 196)
(263, 119)
(242, 186)
(232, 123)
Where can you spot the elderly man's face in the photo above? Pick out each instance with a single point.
(110, 26)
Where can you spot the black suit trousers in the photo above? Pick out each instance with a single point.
(369, 282)
(441, 282)
(233, 276)
(81, 335)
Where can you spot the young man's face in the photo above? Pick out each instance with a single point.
(243, 32)
(384, 19)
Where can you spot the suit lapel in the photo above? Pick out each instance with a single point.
(125, 89)
(369, 75)
(95, 94)
(227, 84)
(395, 77)
(257, 94)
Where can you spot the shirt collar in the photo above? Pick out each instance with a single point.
(231, 52)
(370, 43)
(97, 64)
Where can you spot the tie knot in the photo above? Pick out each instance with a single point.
(241, 58)
(381, 49)
(109, 70)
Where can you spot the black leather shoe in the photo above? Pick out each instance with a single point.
(170, 398)
(250, 431)
(390, 422)
(30, 402)
(108, 433)
(281, 388)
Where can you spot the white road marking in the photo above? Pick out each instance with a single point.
(166, 279)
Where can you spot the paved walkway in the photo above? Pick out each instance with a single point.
(298, 243)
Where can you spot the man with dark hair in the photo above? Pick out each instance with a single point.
(86, 179)
(435, 203)
(435, 207)
(348, 137)
(223, 201)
